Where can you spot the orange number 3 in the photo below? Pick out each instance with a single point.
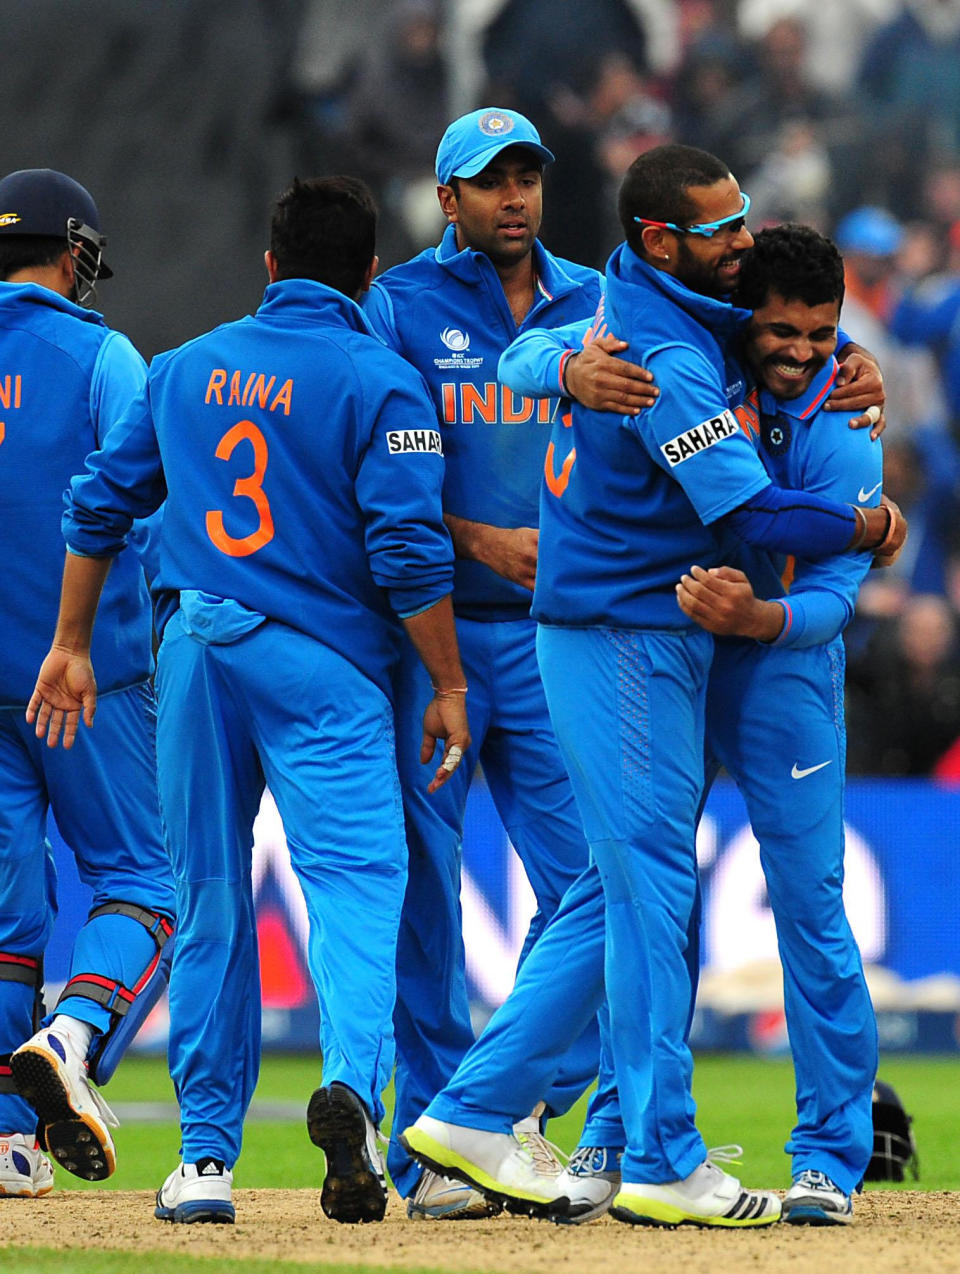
(251, 487)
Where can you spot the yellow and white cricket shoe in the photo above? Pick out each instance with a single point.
(495, 1163)
(707, 1197)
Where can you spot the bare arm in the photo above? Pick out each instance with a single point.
(66, 685)
(602, 381)
(511, 551)
(434, 637)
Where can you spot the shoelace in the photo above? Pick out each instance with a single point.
(730, 1153)
(811, 1179)
(547, 1158)
(104, 1110)
(588, 1161)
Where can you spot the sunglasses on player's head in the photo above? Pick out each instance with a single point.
(706, 229)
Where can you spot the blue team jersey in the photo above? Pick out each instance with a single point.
(808, 449)
(65, 378)
(301, 468)
(445, 311)
(628, 502)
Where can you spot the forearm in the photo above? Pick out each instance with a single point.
(82, 584)
(434, 637)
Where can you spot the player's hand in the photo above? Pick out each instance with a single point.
(66, 687)
(445, 718)
(722, 601)
(859, 388)
(888, 552)
(600, 380)
(511, 551)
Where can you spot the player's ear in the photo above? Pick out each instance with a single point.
(270, 261)
(370, 273)
(448, 202)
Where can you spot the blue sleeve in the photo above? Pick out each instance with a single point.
(692, 434)
(377, 306)
(121, 482)
(841, 464)
(119, 374)
(398, 488)
(787, 521)
(927, 313)
(533, 365)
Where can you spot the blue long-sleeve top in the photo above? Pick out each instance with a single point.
(301, 471)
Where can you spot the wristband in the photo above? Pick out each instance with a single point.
(883, 546)
(862, 528)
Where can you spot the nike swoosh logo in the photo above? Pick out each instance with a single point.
(797, 773)
(863, 496)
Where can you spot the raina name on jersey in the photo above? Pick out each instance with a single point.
(692, 441)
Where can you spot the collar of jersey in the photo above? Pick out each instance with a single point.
(471, 266)
(304, 300)
(807, 406)
(17, 293)
(626, 267)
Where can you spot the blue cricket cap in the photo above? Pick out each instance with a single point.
(473, 140)
(872, 231)
(40, 201)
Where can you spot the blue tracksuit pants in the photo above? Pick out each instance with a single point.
(275, 706)
(103, 794)
(514, 742)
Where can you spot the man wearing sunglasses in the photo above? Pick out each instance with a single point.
(626, 504)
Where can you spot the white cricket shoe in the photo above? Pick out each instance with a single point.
(814, 1199)
(25, 1171)
(439, 1198)
(355, 1185)
(708, 1196)
(51, 1074)
(590, 1180)
(201, 1191)
(496, 1163)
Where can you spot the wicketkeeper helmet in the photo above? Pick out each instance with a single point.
(894, 1149)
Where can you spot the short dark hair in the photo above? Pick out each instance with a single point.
(656, 185)
(796, 262)
(28, 252)
(325, 229)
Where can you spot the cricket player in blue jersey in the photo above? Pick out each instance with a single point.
(452, 311)
(625, 504)
(302, 476)
(65, 379)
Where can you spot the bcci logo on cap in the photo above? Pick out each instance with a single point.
(495, 124)
(9, 218)
(455, 339)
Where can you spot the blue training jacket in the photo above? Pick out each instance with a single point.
(301, 469)
(65, 378)
(445, 311)
(627, 501)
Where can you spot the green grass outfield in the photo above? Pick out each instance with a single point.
(740, 1099)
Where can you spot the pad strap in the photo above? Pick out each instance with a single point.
(6, 1075)
(20, 968)
(113, 995)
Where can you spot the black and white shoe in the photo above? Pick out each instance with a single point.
(201, 1191)
(355, 1186)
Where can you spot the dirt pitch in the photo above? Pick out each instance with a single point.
(910, 1233)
